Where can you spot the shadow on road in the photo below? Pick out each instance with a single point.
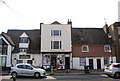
(29, 77)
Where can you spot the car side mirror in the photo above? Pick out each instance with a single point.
(31, 68)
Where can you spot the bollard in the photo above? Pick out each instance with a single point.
(52, 71)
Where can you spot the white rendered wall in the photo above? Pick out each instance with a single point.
(36, 62)
(46, 37)
(23, 45)
(76, 62)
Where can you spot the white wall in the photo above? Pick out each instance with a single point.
(76, 62)
(36, 62)
(23, 45)
(9, 52)
(46, 37)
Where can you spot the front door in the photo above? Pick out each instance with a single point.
(98, 64)
(90, 63)
(53, 61)
(67, 62)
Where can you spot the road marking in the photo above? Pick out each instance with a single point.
(104, 75)
(6, 77)
(50, 77)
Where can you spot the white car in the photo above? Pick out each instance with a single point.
(113, 69)
(27, 70)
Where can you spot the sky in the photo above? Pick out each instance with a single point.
(28, 14)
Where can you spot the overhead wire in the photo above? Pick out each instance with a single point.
(10, 7)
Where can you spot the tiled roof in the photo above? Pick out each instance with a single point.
(34, 36)
(90, 36)
(8, 38)
(55, 22)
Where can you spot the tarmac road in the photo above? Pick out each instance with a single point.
(64, 78)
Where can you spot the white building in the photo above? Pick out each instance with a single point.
(27, 47)
(56, 45)
(6, 48)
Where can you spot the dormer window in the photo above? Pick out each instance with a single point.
(23, 39)
(23, 50)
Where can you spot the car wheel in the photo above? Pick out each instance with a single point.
(117, 75)
(14, 74)
(36, 75)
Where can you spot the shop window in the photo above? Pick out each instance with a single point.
(82, 61)
(55, 32)
(85, 48)
(60, 62)
(106, 60)
(19, 61)
(107, 48)
(46, 59)
(56, 44)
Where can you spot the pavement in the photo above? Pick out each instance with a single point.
(68, 72)
(75, 72)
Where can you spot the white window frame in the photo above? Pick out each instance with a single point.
(59, 46)
(54, 34)
(86, 47)
(107, 47)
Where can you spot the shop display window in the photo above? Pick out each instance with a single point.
(46, 59)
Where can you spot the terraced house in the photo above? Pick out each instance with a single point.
(91, 47)
(63, 47)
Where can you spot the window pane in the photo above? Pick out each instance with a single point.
(20, 66)
(85, 48)
(82, 61)
(55, 32)
(56, 44)
(106, 60)
(27, 67)
(107, 48)
(23, 40)
(46, 59)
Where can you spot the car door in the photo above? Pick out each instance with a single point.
(20, 69)
(29, 70)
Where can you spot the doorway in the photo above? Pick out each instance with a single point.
(67, 62)
(90, 63)
(98, 64)
(53, 61)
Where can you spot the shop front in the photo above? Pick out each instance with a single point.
(57, 61)
(23, 59)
